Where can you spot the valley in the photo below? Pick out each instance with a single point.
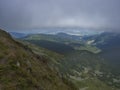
(77, 63)
(80, 62)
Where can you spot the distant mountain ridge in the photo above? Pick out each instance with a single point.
(18, 35)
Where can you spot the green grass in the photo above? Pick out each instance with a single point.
(89, 48)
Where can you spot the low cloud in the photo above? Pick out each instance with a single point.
(30, 14)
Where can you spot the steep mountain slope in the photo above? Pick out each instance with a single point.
(21, 69)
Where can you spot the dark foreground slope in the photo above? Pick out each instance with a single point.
(21, 69)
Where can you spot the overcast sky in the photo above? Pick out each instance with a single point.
(35, 14)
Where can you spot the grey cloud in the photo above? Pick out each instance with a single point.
(30, 14)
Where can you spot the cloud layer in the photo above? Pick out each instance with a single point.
(31, 14)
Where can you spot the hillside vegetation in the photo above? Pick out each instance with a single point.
(22, 69)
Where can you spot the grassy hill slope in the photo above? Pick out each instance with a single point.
(21, 69)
